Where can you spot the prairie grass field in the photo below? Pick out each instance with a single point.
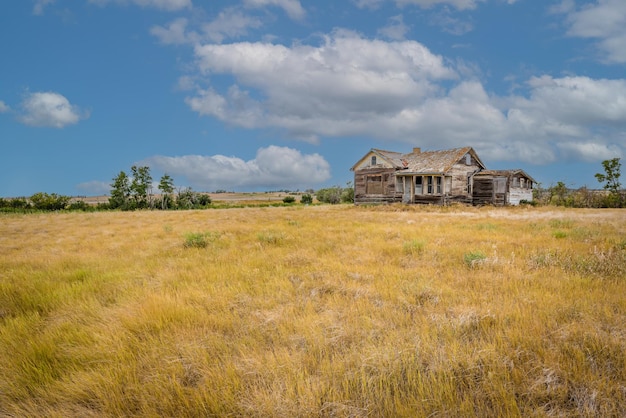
(331, 311)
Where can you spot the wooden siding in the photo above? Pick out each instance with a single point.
(366, 189)
(486, 192)
(460, 174)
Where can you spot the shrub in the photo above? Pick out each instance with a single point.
(413, 247)
(331, 195)
(289, 199)
(474, 258)
(45, 201)
(269, 237)
(80, 205)
(199, 239)
(306, 199)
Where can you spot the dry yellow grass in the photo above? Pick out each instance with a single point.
(314, 311)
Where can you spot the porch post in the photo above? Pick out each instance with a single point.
(443, 191)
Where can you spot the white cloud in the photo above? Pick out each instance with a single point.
(173, 33)
(458, 4)
(424, 4)
(396, 29)
(605, 21)
(400, 91)
(40, 5)
(589, 151)
(323, 90)
(230, 23)
(368, 4)
(49, 109)
(169, 5)
(94, 188)
(273, 167)
(4, 107)
(293, 8)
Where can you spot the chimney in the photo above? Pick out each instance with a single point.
(417, 150)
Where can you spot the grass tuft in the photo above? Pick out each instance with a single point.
(200, 239)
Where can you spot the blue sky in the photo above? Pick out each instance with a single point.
(255, 95)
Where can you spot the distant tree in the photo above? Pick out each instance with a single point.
(166, 186)
(45, 201)
(203, 200)
(330, 195)
(612, 173)
(141, 186)
(185, 198)
(558, 194)
(610, 178)
(347, 195)
(120, 192)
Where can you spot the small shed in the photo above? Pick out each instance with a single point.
(502, 187)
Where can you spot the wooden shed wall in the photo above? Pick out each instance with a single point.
(385, 193)
(485, 192)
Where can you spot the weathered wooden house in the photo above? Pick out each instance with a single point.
(502, 187)
(435, 177)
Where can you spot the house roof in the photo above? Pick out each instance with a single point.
(505, 173)
(427, 162)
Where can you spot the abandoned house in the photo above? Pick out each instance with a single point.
(436, 177)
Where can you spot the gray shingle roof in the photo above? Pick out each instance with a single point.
(427, 161)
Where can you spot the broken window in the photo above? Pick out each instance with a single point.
(418, 185)
(400, 184)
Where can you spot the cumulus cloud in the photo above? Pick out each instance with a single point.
(4, 107)
(312, 90)
(168, 5)
(396, 29)
(425, 4)
(230, 23)
(604, 21)
(49, 109)
(172, 33)
(399, 91)
(293, 8)
(273, 167)
(459, 4)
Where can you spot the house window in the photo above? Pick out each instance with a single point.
(430, 184)
(438, 185)
(522, 183)
(516, 182)
(418, 185)
(468, 159)
(373, 161)
(448, 184)
(400, 184)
